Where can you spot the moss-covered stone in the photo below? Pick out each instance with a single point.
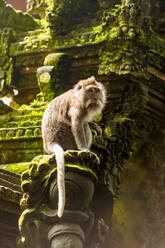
(42, 169)
(50, 76)
(72, 13)
(77, 40)
(17, 168)
(4, 109)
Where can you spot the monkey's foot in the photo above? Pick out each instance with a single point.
(95, 129)
(98, 159)
(91, 154)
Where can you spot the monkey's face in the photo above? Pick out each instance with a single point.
(92, 94)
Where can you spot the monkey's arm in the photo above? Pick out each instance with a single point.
(80, 130)
(79, 135)
(77, 126)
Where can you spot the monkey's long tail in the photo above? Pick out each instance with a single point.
(59, 152)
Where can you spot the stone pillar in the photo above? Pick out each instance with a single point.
(79, 227)
(66, 235)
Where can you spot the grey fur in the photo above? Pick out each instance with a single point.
(66, 124)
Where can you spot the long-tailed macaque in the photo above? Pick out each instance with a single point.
(66, 125)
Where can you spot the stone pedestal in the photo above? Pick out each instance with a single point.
(39, 225)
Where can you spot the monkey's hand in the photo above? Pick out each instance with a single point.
(96, 129)
(92, 153)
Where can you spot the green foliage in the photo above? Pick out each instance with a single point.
(65, 14)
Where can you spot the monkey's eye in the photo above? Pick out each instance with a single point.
(79, 86)
(97, 90)
(93, 90)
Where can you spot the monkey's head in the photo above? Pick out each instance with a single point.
(93, 92)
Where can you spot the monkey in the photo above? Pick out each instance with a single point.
(67, 124)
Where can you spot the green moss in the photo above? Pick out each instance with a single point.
(17, 168)
(45, 78)
(83, 168)
(42, 40)
(108, 132)
(72, 13)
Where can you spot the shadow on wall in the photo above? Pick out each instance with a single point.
(18, 4)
